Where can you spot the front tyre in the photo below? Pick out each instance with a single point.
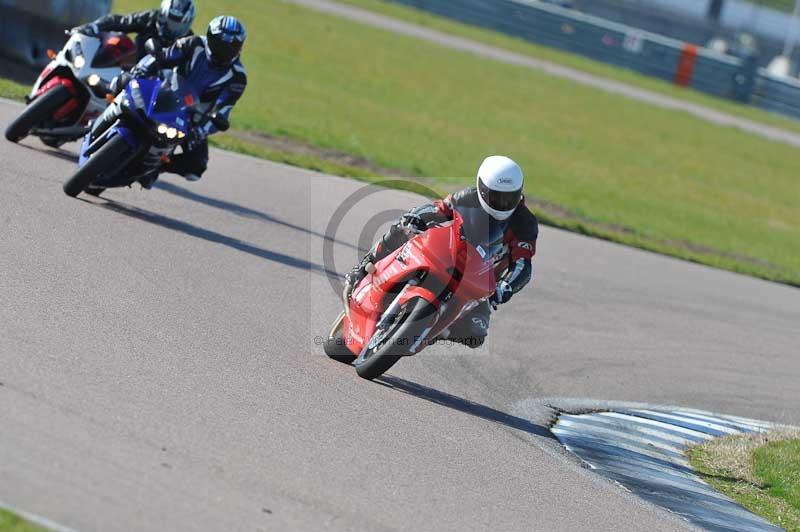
(335, 346)
(105, 159)
(409, 329)
(39, 110)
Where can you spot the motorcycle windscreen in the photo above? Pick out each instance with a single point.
(116, 51)
(482, 231)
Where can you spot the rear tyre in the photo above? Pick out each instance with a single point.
(106, 158)
(335, 347)
(410, 328)
(39, 110)
(95, 191)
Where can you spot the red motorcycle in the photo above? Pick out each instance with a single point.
(410, 298)
(73, 89)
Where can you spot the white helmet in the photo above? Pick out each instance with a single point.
(500, 183)
(175, 18)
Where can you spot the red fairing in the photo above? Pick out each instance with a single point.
(449, 262)
(521, 249)
(518, 248)
(45, 74)
(68, 107)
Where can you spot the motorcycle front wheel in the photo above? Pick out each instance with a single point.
(37, 112)
(105, 159)
(404, 336)
(335, 346)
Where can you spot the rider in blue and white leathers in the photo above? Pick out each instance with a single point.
(211, 65)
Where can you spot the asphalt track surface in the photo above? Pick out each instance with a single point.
(554, 69)
(159, 370)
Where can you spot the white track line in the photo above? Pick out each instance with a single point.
(659, 424)
(699, 422)
(37, 519)
(618, 432)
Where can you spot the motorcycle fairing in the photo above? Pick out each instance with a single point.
(455, 275)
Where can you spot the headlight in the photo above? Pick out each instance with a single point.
(172, 133)
(181, 134)
(93, 80)
(162, 129)
(79, 61)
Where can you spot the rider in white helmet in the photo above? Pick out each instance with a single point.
(498, 193)
(165, 25)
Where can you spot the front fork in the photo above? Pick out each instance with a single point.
(388, 316)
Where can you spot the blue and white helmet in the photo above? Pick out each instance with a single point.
(225, 38)
(175, 18)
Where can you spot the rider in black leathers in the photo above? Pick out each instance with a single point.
(513, 265)
(170, 22)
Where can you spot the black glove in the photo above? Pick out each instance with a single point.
(414, 221)
(119, 83)
(90, 30)
(195, 137)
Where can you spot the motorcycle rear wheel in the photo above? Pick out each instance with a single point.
(410, 328)
(38, 111)
(106, 158)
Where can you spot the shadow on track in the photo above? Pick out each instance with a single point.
(211, 236)
(56, 152)
(464, 405)
(246, 212)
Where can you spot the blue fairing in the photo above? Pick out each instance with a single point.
(154, 102)
(148, 89)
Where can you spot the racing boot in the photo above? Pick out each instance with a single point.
(148, 180)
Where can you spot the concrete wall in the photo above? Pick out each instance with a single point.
(30, 27)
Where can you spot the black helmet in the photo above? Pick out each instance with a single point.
(225, 37)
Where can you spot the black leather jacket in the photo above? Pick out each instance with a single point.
(144, 24)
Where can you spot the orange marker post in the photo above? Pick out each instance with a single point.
(686, 62)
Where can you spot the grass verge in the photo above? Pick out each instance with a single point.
(13, 90)
(10, 522)
(761, 472)
(578, 62)
(597, 163)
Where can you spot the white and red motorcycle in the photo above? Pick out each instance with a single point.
(73, 89)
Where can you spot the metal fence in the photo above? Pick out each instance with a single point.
(625, 46)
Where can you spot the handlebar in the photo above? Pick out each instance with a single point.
(220, 122)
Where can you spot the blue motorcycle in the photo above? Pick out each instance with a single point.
(153, 118)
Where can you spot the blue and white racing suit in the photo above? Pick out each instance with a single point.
(219, 88)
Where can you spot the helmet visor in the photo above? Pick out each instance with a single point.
(175, 28)
(499, 200)
(223, 49)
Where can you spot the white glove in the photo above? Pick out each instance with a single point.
(503, 293)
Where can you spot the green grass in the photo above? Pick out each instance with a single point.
(230, 142)
(10, 522)
(596, 163)
(578, 62)
(13, 90)
(783, 5)
(777, 465)
(762, 473)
